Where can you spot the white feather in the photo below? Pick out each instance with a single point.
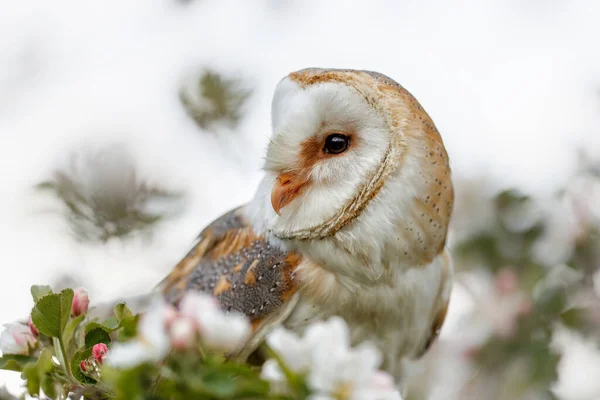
(365, 272)
(299, 114)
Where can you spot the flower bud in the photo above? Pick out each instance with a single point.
(506, 281)
(83, 365)
(99, 352)
(171, 315)
(81, 302)
(32, 327)
(183, 333)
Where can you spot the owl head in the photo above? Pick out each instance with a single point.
(356, 172)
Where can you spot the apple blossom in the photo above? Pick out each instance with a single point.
(17, 338)
(219, 331)
(332, 368)
(152, 343)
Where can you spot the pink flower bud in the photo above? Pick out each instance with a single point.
(99, 351)
(183, 333)
(83, 365)
(32, 327)
(506, 281)
(81, 302)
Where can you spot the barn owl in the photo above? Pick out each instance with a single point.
(350, 219)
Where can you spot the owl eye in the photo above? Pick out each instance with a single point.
(336, 143)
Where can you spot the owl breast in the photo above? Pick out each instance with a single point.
(398, 315)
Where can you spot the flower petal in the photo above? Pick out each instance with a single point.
(224, 332)
(295, 352)
(16, 339)
(152, 327)
(128, 355)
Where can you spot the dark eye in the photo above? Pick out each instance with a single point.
(336, 143)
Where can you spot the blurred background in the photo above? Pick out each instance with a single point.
(127, 126)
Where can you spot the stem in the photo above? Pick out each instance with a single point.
(65, 358)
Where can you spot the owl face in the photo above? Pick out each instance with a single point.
(326, 142)
(357, 176)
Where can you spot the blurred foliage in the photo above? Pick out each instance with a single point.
(103, 196)
(540, 257)
(214, 99)
(502, 244)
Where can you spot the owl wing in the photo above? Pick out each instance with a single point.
(441, 304)
(242, 270)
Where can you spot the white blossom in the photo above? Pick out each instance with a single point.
(16, 338)
(500, 303)
(152, 344)
(163, 328)
(219, 331)
(333, 369)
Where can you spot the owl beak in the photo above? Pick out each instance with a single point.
(287, 187)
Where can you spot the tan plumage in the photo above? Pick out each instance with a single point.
(360, 233)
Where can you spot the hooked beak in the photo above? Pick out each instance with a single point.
(287, 187)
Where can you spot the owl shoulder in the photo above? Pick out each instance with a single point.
(239, 267)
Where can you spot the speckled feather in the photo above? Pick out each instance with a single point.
(238, 267)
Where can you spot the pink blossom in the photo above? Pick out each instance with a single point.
(183, 332)
(506, 281)
(81, 302)
(99, 352)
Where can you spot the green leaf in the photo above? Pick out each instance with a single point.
(30, 375)
(39, 291)
(134, 383)
(224, 380)
(37, 375)
(14, 362)
(51, 313)
(122, 312)
(111, 324)
(91, 326)
(126, 320)
(216, 384)
(78, 357)
(97, 334)
(66, 304)
(45, 367)
(71, 327)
